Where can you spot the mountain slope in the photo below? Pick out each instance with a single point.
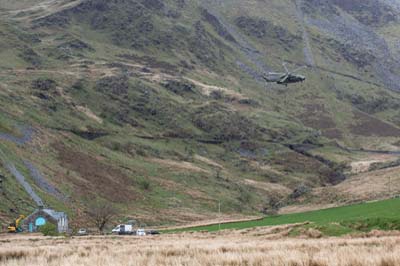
(159, 106)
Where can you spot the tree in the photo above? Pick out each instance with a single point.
(101, 212)
(49, 229)
(272, 205)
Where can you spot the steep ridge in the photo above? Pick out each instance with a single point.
(250, 52)
(357, 36)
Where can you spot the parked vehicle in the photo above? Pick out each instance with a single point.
(140, 232)
(82, 232)
(153, 232)
(123, 229)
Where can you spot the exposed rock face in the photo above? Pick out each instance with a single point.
(262, 29)
(368, 12)
(355, 35)
(218, 26)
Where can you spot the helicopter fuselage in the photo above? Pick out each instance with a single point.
(291, 79)
(285, 79)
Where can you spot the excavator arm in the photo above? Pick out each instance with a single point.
(15, 226)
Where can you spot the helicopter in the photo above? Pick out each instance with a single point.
(285, 78)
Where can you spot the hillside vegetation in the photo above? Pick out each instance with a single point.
(159, 107)
(365, 217)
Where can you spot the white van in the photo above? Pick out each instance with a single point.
(140, 232)
(123, 229)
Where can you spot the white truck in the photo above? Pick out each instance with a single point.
(127, 229)
(124, 229)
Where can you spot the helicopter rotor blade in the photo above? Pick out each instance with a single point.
(276, 73)
(299, 68)
(285, 78)
(286, 69)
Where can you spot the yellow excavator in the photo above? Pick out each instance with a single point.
(15, 227)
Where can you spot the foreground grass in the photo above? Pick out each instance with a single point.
(333, 221)
(258, 247)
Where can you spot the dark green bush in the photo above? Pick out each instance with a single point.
(49, 229)
(145, 184)
(44, 84)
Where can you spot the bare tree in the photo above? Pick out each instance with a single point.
(101, 212)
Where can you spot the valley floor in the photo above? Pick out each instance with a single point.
(258, 246)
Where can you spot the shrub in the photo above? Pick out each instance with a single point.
(301, 190)
(44, 84)
(180, 87)
(272, 206)
(117, 85)
(144, 184)
(49, 229)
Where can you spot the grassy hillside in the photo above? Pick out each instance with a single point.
(333, 221)
(159, 108)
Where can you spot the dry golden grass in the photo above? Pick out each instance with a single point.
(266, 246)
(374, 185)
(306, 207)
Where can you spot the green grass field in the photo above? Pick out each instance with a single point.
(383, 215)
